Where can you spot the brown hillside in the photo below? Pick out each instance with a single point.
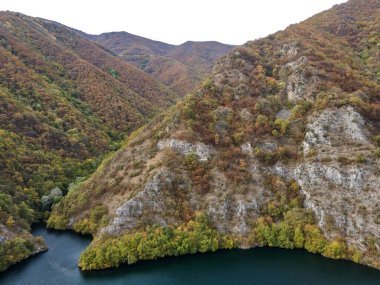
(181, 67)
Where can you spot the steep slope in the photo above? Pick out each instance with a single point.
(280, 147)
(64, 102)
(181, 67)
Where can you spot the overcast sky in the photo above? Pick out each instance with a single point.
(175, 21)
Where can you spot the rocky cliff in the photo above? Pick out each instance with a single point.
(279, 147)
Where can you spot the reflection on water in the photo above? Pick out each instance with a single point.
(256, 266)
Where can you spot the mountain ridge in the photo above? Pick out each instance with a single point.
(179, 67)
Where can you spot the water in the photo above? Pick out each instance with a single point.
(267, 266)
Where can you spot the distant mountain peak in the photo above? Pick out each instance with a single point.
(180, 67)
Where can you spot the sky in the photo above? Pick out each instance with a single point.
(175, 21)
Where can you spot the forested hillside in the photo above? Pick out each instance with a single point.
(64, 103)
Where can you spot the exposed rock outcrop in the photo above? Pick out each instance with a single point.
(300, 84)
(289, 50)
(345, 199)
(148, 206)
(334, 127)
(283, 114)
(343, 193)
(204, 152)
(231, 214)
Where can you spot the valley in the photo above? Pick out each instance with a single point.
(159, 150)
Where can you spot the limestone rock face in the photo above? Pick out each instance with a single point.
(230, 213)
(234, 73)
(283, 114)
(157, 204)
(289, 50)
(345, 198)
(299, 85)
(203, 151)
(246, 148)
(298, 64)
(335, 127)
(150, 200)
(296, 86)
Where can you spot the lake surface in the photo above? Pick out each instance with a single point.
(267, 266)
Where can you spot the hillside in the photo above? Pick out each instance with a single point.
(179, 67)
(280, 147)
(64, 103)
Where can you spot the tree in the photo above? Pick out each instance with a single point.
(48, 200)
(299, 237)
(10, 222)
(336, 249)
(314, 240)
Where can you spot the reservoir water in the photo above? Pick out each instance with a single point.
(266, 266)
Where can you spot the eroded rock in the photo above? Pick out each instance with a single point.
(150, 200)
(284, 114)
(347, 195)
(246, 115)
(203, 151)
(300, 84)
(334, 127)
(289, 50)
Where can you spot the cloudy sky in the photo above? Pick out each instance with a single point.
(175, 21)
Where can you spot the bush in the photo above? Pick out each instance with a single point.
(282, 125)
(377, 139)
(315, 242)
(336, 249)
(54, 197)
(360, 158)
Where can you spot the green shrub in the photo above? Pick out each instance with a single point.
(314, 240)
(360, 158)
(336, 249)
(282, 125)
(377, 139)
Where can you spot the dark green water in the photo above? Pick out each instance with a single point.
(265, 266)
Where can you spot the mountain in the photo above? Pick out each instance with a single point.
(180, 67)
(64, 102)
(279, 147)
